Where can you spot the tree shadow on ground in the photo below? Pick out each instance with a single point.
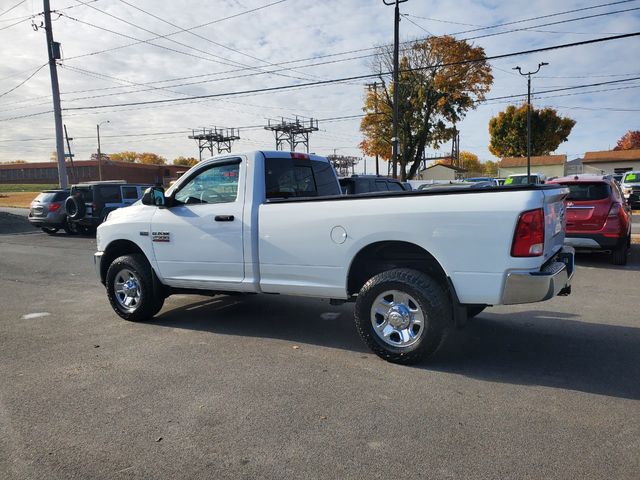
(536, 347)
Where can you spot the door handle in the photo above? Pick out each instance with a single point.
(224, 218)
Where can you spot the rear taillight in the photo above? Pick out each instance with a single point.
(615, 211)
(54, 206)
(528, 241)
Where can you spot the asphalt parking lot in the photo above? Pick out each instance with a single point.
(279, 387)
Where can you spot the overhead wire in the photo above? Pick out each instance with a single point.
(359, 77)
(25, 80)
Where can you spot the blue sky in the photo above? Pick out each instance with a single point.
(249, 44)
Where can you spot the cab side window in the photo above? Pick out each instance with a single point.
(218, 184)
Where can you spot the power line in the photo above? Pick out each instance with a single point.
(199, 36)
(552, 23)
(25, 80)
(540, 17)
(316, 64)
(235, 15)
(11, 8)
(357, 77)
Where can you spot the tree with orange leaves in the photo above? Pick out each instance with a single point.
(629, 141)
(440, 79)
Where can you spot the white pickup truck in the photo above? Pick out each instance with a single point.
(416, 263)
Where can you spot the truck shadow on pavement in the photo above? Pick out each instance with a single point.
(545, 348)
(300, 320)
(536, 347)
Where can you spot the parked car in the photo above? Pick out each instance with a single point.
(598, 218)
(618, 177)
(277, 223)
(631, 188)
(491, 180)
(89, 204)
(521, 179)
(356, 184)
(455, 185)
(47, 212)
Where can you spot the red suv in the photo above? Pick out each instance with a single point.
(598, 217)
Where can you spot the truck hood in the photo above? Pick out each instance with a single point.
(135, 217)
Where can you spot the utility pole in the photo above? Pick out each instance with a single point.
(374, 86)
(396, 41)
(99, 153)
(70, 155)
(53, 50)
(528, 75)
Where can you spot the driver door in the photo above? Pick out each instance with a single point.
(198, 241)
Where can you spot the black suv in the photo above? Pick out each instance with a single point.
(89, 203)
(370, 183)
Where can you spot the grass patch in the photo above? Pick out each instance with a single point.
(26, 187)
(17, 199)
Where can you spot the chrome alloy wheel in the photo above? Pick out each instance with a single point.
(397, 318)
(127, 290)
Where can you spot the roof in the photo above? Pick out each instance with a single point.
(581, 178)
(612, 156)
(537, 161)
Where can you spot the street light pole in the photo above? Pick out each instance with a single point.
(99, 153)
(528, 75)
(396, 42)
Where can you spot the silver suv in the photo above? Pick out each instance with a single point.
(47, 212)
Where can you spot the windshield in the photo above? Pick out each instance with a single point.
(587, 191)
(520, 180)
(632, 177)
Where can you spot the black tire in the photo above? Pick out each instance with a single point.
(83, 229)
(619, 255)
(431, 299)
(49, 230)
(148, 304)
(70, 228)
(475, 310)
(75, 207)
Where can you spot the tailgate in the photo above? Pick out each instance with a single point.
(554, 219)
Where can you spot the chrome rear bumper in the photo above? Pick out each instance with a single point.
(553, 279)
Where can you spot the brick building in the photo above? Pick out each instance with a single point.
(87, 170)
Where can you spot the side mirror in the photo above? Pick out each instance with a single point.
(154, 196)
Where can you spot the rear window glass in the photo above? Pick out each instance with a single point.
(46, 197)
(381, 186)
(130, 193)
(110, 194)
(395, 186)
(285, 178)
(588, 191)
(87, 193)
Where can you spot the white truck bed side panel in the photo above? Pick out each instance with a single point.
(469, 234)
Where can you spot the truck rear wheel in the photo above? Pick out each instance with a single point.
(130, 288)
(403, 315)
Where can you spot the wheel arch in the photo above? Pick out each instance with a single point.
(385, 255)
(116, 249)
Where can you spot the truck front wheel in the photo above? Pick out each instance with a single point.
(130, 288)
(403, 315)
